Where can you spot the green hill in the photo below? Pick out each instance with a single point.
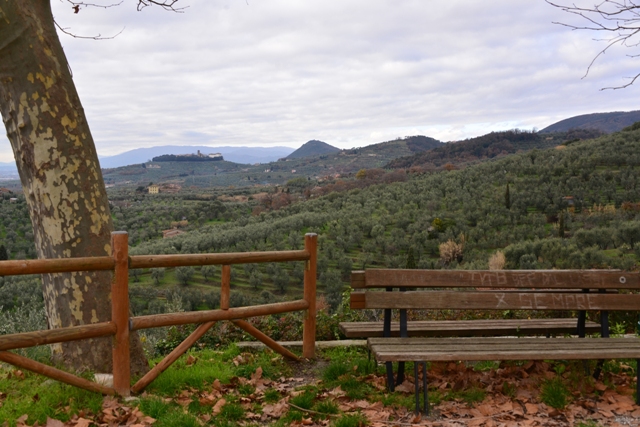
(313, 148)
(604, 122)
(574, 206)
(489, 146)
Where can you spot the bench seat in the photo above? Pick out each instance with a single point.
(469, 328)
(457, 349)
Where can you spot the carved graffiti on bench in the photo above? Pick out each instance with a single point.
(538, 301)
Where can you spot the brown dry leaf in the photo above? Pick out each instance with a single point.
(337, 392)
(531, 408)
(20, 422)
(599, 386)
(191, 360)
(606, 413)
(208, 399)
(82, 422)
(53, 423)
(486, 409)
(405, 387)
(276, 410)
(218, 406)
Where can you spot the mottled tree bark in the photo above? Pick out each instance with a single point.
(60, 175)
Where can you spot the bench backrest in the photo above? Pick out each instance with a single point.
(496, 290)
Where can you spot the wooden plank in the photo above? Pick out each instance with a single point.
(496, 300)
(358, 279)
(310, 273)
(453, 349)
(52, 336)
(56, 374)
(151, 261)
(57, 265)
(225, 287)
(170, 319)
(591, 279)
(357, 300)
(120, 314)
(143, 382)
(433, 328)
(265, 339)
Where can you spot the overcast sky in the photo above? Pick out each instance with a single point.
(347, 72)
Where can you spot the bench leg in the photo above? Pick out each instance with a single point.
(417, 384)
(424, 385)
(598, 369)
(637, 381)
(400, 378)
(390, 382)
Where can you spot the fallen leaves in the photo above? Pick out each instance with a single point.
(510, 398)
(113, 413)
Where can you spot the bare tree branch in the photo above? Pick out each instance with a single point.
(621, 18)
(98, 37)
(165, 4)
(77, 4)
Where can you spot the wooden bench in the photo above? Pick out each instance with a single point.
(549, 290)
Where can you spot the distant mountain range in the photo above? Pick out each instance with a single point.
(313, 148)
(606, 122)
(317, 157)
(243, 155)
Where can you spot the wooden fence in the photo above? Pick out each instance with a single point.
(121, 323)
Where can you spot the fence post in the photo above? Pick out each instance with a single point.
(309, 329)
(120, 313)
(225, 287)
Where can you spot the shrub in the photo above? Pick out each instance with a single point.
(497, 261)
(451, 251)
(184, 275)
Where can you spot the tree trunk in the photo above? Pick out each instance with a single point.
(60, 175)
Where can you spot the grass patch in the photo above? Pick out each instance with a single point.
(350, 421)
(176, 417)
(206, 370)
(327, 407)
(41, 398)
(554, 393)
(304, 400)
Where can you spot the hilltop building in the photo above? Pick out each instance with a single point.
(154, 189)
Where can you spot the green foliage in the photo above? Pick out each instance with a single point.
(633, 127)
(555, 393)
(589, 423)
(41, 399)
(304, 400)
(507, 198)
(232, 412)
(208, 271)
(350, 421)
(184, 275)
(157, 274)
(509, 389)
(153, 406)
(176, 417)
(327, 407)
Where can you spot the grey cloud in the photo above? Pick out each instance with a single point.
(276, 72)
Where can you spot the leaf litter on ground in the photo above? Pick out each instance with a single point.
(510, 397)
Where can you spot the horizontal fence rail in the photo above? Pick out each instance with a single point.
(122, 324)
(152, 261)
